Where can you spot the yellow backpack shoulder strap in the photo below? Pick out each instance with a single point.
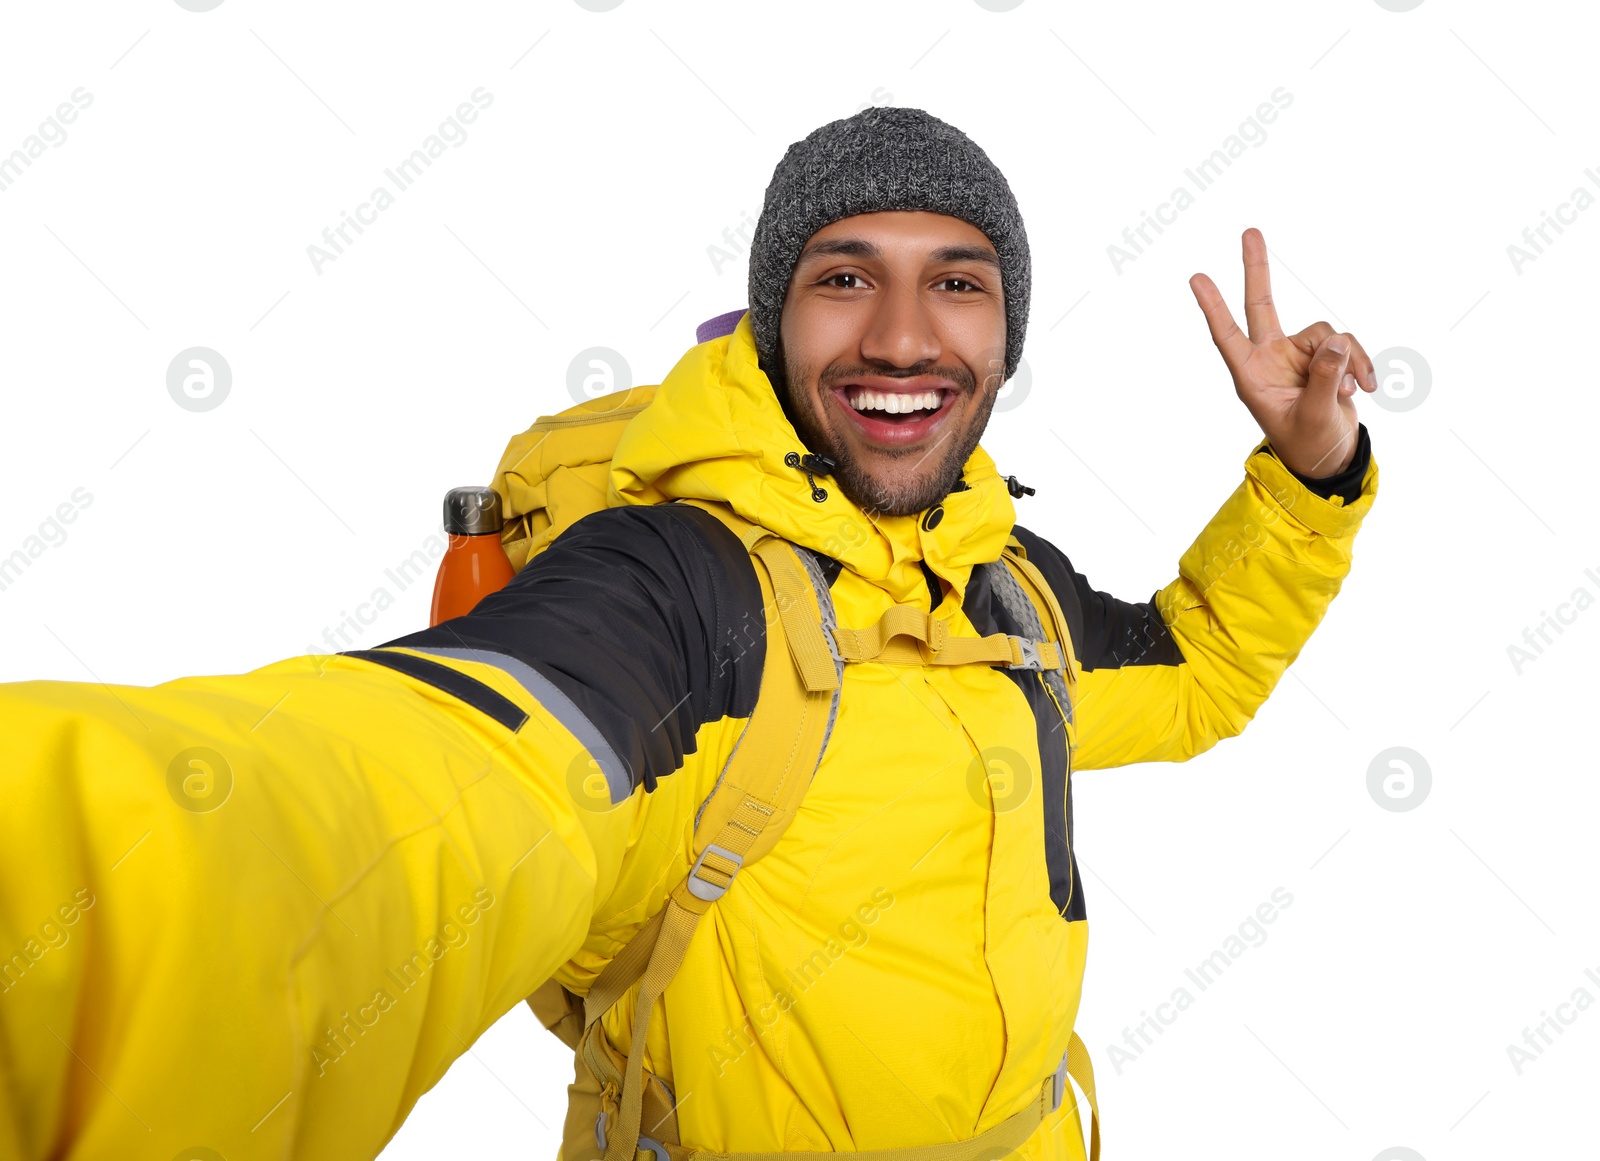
(1045, 606)
(747, 811)
(1043, 614)
(1081, 1069)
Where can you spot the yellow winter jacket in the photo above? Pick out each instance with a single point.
(263, 913)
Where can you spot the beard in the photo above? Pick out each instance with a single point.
(933, 472)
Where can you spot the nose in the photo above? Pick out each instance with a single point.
(901, 333)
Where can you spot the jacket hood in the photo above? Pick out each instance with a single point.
(715, 431)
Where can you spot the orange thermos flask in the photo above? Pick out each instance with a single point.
(474, 564)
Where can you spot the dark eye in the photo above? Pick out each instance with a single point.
(959, 285)
(844, 281)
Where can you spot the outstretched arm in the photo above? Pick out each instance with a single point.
(263, 913)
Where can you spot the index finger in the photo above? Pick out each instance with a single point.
(1231, 341)
(1259, 312)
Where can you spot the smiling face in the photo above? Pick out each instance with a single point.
(893, 346)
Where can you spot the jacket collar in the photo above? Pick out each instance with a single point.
(715, 431)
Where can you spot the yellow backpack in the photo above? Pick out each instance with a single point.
(554, 474)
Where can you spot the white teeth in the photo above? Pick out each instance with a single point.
(894, 403)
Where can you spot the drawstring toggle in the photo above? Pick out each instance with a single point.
(809, 463)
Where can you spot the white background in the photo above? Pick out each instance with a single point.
(578, 212)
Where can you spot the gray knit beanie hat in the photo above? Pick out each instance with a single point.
(883, 158)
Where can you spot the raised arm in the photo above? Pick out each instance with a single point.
(1165, 679)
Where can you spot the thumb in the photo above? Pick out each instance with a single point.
(1328, 365)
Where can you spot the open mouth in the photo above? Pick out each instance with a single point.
(894, 417)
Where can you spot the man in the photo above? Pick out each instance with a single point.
(392, 852)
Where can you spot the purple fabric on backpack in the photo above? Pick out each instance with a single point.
(715, 328)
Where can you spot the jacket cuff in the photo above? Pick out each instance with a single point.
(1331, 506)
(1347, 484)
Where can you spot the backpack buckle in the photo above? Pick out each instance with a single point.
(649, 1143)
(1030, 655)
(1058, 1086)
(704, 888)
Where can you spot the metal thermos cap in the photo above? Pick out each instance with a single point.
(472, 511)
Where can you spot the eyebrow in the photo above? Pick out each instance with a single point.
(846, 247)
(861, 248)
(966, 254)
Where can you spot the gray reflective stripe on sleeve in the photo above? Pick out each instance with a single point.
(560, 707)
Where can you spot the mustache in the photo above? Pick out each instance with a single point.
(960, 377)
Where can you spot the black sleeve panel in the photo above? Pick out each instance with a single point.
(988, 614)
(1347, 484)
(649, 619)
(1106, 633)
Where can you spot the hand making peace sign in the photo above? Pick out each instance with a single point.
(1300, 388)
